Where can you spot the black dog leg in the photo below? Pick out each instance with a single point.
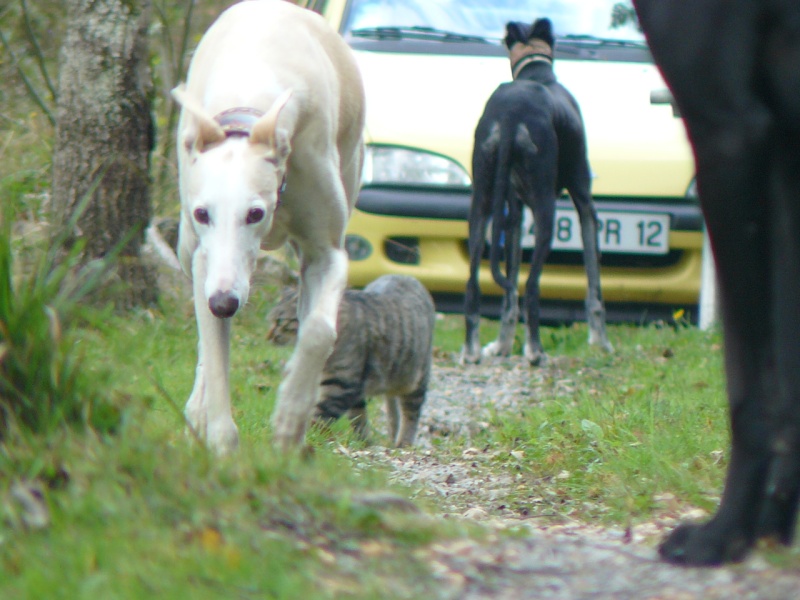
(543, 223)
(779, 513)
(509, 316)
(595, 309)
(733, 134)
(730, 187)
(471, 353)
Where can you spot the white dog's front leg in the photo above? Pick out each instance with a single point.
(208, 410)
(322, 286)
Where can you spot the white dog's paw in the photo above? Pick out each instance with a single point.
(536, 356)
(495, 348)
(196, 423)
(222, 436)
(289, 430)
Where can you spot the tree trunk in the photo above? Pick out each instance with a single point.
(104, 136)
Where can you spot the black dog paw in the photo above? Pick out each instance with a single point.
(777, 521)
(703, 546)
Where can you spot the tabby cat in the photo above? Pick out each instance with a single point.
(384, 346)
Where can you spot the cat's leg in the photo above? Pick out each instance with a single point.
(358, 419)
(393, 416)
(410, 407)
(341, 396)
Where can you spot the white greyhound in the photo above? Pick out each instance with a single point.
(269, 150)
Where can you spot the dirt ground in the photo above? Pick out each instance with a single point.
(571, 561)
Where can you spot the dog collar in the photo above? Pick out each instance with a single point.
(528, 59)
(238, 121)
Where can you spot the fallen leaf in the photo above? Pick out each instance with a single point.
(30, 499)
(211, 539)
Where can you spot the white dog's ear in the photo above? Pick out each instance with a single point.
(209, 131)
(266, 131)
(282, 144)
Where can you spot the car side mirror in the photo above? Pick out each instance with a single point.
(664, 96)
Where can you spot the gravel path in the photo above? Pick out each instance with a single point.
(572, 561)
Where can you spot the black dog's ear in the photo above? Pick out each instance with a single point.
(516, 33)
(542, 29)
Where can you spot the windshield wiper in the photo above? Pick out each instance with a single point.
(592, 40)
(415, 33)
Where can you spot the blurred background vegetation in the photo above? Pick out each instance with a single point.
(31, 35)
(44, 280)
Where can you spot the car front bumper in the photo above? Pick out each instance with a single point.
(423, 233)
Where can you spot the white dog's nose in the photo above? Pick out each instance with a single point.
(223, 305)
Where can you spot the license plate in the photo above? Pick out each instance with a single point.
(620, 232)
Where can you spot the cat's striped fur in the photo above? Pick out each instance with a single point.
(384, 346)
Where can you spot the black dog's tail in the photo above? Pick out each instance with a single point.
(502, 220)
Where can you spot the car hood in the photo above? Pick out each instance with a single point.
(433, 102)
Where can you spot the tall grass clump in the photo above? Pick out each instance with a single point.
(43, 382)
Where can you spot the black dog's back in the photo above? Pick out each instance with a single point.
(515, 144)
(568, 124)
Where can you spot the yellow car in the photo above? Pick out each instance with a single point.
(428, 68)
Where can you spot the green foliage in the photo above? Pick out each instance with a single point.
(622, 14)
(149, 513)
(138, 517)
(42, 380)
(609, 436)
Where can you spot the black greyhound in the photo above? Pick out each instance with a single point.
(529, 145)
(734, 70)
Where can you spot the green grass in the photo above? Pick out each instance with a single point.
(146, 512)
(141, 517)
(606, 436)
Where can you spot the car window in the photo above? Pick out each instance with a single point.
(600, 19)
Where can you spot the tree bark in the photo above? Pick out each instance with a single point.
(105, 135)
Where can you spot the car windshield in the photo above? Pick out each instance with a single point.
(578, 20)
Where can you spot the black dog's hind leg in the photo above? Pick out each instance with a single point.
(538, 185)
(543, 223)
(509, 316)
(471, 353)
(579, 190)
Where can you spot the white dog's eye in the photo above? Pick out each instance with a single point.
(255, 215)
(201, 216)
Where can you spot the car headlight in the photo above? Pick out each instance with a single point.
(392, 165)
